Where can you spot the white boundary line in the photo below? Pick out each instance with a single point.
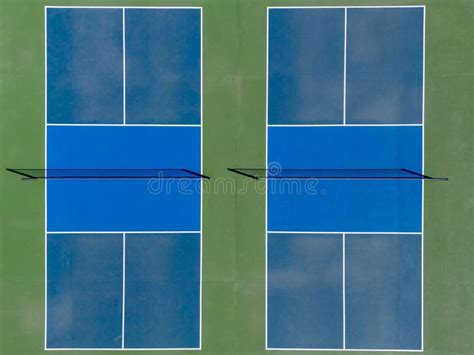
(346, 125)
(122, 125)
(120, 349)
(345, 69)
(421, 234)
(126, 232)
(121, 232)
(45, 182)
(422, 181)
(347, 7)
(365, 350)
(124, 74)
(266, 182)
(201, 182)
(312, 232)
(125, 7)
(124, 242)
(344, 291)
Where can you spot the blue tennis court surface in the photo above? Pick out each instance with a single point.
(123, 205)
(123, 255)
(344, 256)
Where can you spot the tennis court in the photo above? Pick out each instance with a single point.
(344, 260)
(123, 256)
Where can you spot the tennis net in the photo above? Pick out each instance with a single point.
(333, 174)
(97, 174)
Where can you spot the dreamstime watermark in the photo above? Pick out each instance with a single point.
(274, 181)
